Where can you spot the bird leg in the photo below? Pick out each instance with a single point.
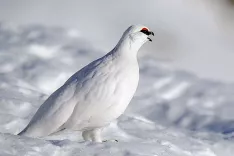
(112, 140)
(92, 135)
(86, 136)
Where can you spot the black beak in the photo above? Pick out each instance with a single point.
(151, 33)
(149, 39)
(148, 33)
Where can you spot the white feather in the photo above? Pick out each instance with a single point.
(94, 96)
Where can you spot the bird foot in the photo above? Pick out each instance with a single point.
(111, 140)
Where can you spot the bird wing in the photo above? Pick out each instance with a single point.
(56, 110)
(95, 96)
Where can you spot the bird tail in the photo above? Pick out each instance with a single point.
(22, 132)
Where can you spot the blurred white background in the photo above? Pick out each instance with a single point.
(196, 35)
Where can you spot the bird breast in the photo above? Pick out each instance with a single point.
(116, 84)
(105, 95)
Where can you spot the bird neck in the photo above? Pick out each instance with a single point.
(126, 47)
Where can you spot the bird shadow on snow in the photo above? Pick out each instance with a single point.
(61, 143)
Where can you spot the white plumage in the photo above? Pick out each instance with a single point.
(95, 95)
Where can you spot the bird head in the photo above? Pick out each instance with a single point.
(133, 38)
(138, 33)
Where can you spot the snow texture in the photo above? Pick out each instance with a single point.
(174, 113)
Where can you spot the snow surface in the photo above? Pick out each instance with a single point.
(174, 113)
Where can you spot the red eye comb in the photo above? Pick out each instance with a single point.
(145, 29)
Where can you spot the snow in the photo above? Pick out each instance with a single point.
(173, 112)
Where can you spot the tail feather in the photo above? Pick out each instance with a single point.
(22, 132)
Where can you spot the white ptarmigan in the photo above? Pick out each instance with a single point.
(95, 95)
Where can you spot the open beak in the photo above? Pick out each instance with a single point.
(150, 33)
